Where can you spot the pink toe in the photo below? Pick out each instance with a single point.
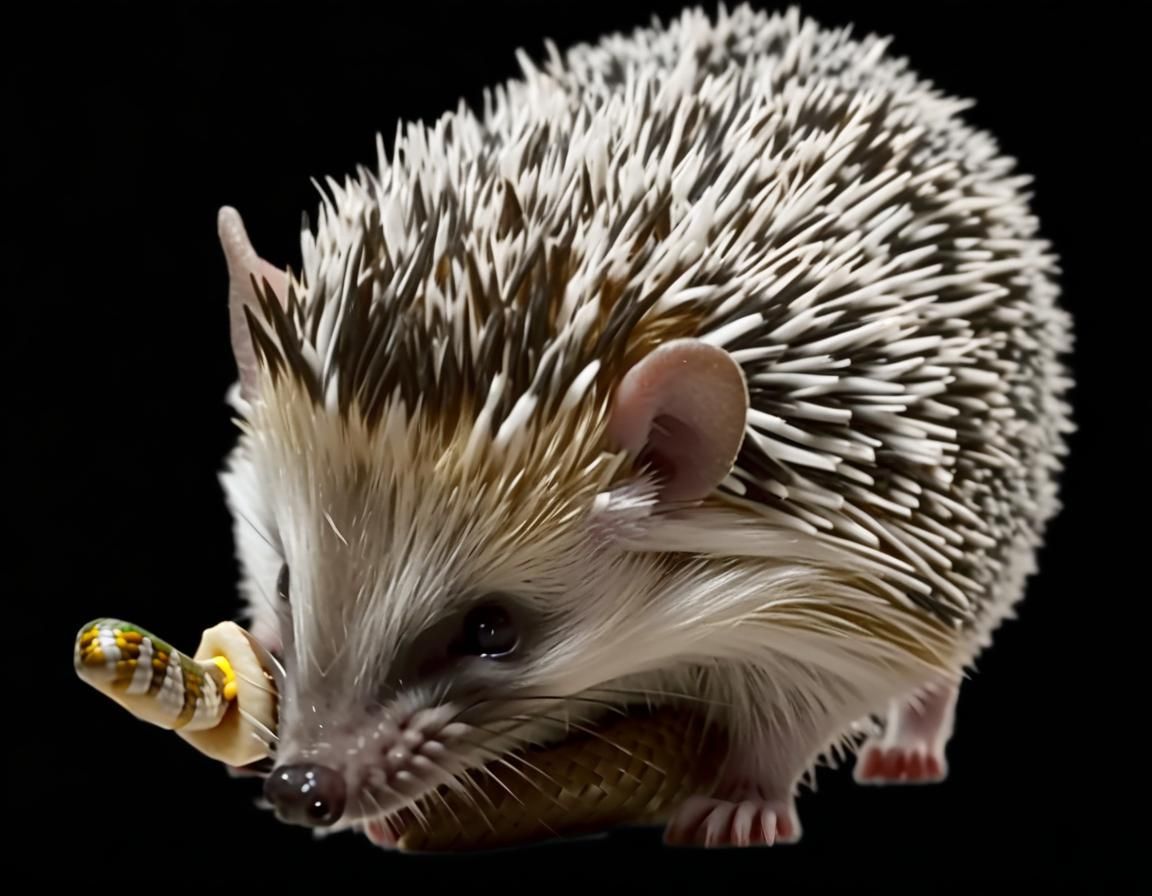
(744, 823)
(718, 823)
(719, 826)
(873, 763)
(686, 820)
(771, 822)
(786, 827)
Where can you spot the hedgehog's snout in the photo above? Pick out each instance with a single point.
(348, 770)
(306, 794)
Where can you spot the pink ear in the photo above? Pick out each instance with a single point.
(243, 265)
(682, 409)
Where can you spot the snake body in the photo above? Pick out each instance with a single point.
(632, 770)
(223, 700)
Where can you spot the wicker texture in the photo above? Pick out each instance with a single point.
(633, 771)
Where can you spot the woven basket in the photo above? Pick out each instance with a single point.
(633, 771)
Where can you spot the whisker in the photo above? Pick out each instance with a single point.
(408, 803)
(272, 736)
(594, 733)
(534, 767)
(508, 789)
(375, 803)
(448, 808)
(381, 815)
(482, 747)
(459, 780)
(488, 771)
(576, 699)
(535, 785)
(267, 690)
(264, 595)
(465, 788)
(266, 656)
(503, 759)
(461, 785)
(658, 693)
(465, 709)
(421, 818)
(450, 780)
(258, 531)
(271, 748)
(541, 772)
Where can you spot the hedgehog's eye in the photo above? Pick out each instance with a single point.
(489, 631)
(282, 584)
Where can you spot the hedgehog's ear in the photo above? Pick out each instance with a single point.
(244, 265)
(682, 409)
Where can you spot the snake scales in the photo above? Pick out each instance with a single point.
(630, 771)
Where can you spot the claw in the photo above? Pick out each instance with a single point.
(703, 821)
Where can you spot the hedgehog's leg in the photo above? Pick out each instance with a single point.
(753, 802)
(912, 748)
(752, 805)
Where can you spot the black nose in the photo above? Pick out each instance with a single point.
(310, 795)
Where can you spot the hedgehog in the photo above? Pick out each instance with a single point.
(716, 365)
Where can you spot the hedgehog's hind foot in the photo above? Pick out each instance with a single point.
(912, 748)
(753, 821)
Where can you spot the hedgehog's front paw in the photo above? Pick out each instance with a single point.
(908, 762)
(709, 822)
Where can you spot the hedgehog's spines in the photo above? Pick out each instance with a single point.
(790, 194)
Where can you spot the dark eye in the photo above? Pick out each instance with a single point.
(489, 631)
(282, 583)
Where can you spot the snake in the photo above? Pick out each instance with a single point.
(223, 700)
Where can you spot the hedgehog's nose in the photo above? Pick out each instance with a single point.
(310, 795)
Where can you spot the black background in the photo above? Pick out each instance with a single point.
(134, 126)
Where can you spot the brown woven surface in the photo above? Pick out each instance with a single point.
(632, 771)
